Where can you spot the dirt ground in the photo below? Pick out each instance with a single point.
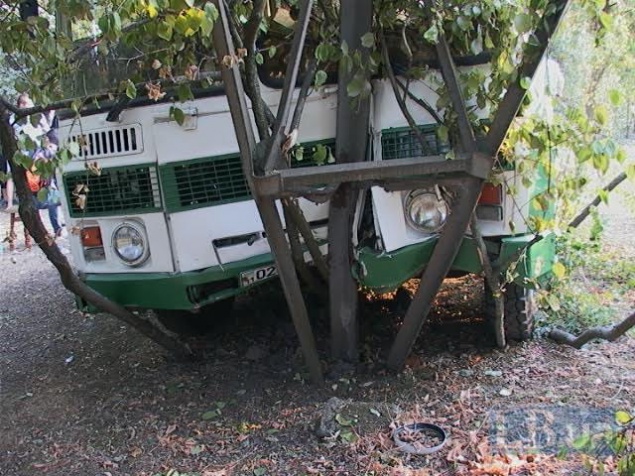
(84, 395)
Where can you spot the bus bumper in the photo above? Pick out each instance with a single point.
(179, 291)
(387, 271)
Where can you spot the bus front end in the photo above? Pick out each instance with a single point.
(160, 214)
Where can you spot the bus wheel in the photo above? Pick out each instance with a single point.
(520, 311)
(188, 323)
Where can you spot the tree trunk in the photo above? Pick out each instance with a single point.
(352, 137)
(31, 219)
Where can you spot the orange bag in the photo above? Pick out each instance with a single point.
(35, 184)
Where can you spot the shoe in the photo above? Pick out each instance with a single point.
(11, 209)
(58, 232)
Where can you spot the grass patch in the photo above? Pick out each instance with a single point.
(598, 287)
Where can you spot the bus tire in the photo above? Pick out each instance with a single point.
(187, 323)
(520, 311)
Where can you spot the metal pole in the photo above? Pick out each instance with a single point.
(356, 17)
(280, 130)
(266, 206)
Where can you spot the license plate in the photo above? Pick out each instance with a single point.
(252, 276)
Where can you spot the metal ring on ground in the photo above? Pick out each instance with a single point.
(419, 450)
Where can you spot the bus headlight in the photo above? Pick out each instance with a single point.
(130, 243)
(425, 210)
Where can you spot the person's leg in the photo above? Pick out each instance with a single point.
(9, 190)
(8, 202)
(52, 209)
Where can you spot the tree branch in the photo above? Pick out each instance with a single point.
(297, 217)
(493, 283)
(586, 211)
(421, 103)
(304, 93)
(395, 88)
(262, 114)
(609, 333)
(31, 218)
(298, 254)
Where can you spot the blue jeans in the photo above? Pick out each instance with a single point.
(52, 210)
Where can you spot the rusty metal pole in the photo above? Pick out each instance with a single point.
(356, 17)
(452, 235)
(266, 206)
(447, 247)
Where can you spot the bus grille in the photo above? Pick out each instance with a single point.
(116, 191)
(204, 182)
(111, 142)
(403, 143)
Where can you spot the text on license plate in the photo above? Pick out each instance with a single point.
(259, 274)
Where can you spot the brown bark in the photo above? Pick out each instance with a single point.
(586, 211)
(493, 283)
(609, 333)
(31, 219)
(352, 138)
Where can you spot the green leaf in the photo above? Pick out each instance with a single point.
(525, 82)
(348, 436)
(489, 44)
(322, 52)
(342, 420)
(601, 162)
(320, 154)
(211, 11)
(463, 23)
(260, 471)
(320, 78)
(178, 115)
(601, 114)
(259, 58)
(209, 415)
(443, 133)
(606, 20)
(615, 97)
(355, 87)
(298, 154)
(344, 48)
(553, 302)
(522, 23)
(164, 31)
(272, 51)
(582, 442)
(131, 90)
(432, 34)
(184, 92)
(368, 40)
(559, 270)
(476, 47)
(622, 417)
(620, 155)
(604, 196)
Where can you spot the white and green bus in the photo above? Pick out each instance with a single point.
(169, 223)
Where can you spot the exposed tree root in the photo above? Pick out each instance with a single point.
(609, 333)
